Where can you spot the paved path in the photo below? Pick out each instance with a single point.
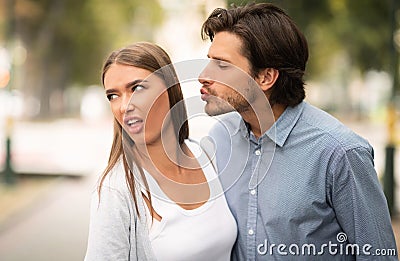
(46, 218)
(51, 222)
(54, 229)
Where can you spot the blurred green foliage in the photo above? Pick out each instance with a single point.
(359, 30)
(67, 40)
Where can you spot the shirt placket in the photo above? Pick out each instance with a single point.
(252, 203)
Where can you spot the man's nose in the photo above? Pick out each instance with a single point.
(205, 76)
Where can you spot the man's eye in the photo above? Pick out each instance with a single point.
(111, 97)
(223, 65)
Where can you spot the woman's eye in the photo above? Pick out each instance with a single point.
(111, 97)
(137, 88)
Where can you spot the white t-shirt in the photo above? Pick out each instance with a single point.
(205, 233)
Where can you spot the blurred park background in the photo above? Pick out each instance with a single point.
(55, 124)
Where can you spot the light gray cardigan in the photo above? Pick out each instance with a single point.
(115, 231)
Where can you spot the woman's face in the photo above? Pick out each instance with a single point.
(139, 101)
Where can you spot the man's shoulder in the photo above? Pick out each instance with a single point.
(325, 125)
(226, 123)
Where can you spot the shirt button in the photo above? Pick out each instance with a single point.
(253, 192)
(251, 232)
(258, 152)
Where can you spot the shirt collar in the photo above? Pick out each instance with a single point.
(232, 122)
(279, 132)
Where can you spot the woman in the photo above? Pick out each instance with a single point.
(155, 199)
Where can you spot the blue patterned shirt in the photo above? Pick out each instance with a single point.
(305, 190)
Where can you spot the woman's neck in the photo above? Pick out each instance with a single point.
(161, 155)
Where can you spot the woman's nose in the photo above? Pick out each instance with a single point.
(127, 104)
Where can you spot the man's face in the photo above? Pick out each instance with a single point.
(226, 83)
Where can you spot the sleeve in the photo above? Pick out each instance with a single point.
(109, 229)
(360, 205)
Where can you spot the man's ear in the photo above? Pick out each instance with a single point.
(266, 78)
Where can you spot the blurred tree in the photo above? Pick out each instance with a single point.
(67, 40)
(361, 32)
(346, 39)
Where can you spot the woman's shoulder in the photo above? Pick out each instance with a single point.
(116, 178)
(115, 186)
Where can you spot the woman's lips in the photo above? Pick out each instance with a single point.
(134, 125)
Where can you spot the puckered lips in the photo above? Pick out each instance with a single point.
(133, 124)
(205, 95)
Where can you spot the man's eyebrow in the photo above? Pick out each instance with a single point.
(219, 58)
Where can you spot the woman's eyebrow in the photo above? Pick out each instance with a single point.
(128, 85)
(108, 91)
(135, 82)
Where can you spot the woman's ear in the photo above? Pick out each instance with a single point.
(266, 78)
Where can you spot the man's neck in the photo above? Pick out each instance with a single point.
(262, 120)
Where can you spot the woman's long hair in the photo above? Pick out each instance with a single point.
(153, 58)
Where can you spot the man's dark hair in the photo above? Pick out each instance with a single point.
(270, 39)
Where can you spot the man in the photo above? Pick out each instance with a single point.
(300, 184)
